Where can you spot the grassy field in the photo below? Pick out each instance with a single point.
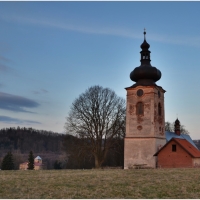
(116, 183)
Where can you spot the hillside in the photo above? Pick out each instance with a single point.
(52, 147)
(20, 141)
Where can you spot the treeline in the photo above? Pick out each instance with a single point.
(26, 139)
(58, 151)
(80, 157)
(20, 141)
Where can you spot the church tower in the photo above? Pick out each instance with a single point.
(145, 114)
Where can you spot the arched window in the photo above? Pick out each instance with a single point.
(159, 109)
(140, 108)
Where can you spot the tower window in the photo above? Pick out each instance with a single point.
(159, 109)
(173, 147)
(140, 108)
(158, 94)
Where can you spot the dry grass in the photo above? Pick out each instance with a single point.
(90, 184)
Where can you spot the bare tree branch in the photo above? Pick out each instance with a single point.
(98, 116)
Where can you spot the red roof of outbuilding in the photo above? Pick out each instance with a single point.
(188, 147)
(194, 152)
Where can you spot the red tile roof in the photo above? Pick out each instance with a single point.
(194, 152)
(188, 147)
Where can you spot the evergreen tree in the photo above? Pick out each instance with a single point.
(57, 165)
(31, 161)
(8, 163)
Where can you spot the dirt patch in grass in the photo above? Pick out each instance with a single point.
(92, 184)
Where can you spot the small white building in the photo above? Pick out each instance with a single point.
(37, 164)
(38, 159)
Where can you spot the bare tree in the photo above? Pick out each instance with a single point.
(98, 118)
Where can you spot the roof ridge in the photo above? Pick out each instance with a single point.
(189, 145)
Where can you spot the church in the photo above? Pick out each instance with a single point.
(145, 138)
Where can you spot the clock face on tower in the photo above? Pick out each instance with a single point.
(140, 92)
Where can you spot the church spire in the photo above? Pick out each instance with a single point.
(145, 53)
(145, 74)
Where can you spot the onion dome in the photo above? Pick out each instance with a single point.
(145, 74)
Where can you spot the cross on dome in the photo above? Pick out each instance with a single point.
(144, 34)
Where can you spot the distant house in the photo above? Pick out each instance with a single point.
(38, 165)
(23, 166)
(179, 151)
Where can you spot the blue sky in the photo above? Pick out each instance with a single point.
(51, 52)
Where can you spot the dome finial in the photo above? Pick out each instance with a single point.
(144, 34)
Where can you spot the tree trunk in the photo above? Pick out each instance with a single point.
(98, 162)
(100, 158)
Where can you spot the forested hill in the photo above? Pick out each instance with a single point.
(26, 139)
(20, 141)
(52, 147)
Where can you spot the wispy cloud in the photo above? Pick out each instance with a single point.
(11, 120)
(2, 58)
(89, 29)
(3, 67)
(71, 27)
(41, 91)
(16, 103)
(178, 40)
